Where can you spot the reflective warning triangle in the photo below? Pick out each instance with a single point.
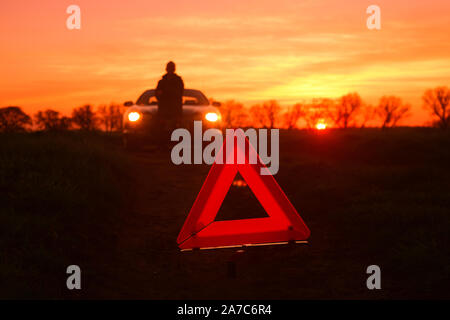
(283, 223)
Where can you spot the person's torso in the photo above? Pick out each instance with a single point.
(171, 99)
(172, 87)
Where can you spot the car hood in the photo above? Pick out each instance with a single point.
(187, 109)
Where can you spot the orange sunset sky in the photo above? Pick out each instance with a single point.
(289, 50)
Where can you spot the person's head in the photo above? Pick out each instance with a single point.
(170, 68)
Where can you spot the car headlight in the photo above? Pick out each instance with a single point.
(212, 116)
(134, 116)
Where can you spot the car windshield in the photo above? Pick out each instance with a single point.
(190, 98)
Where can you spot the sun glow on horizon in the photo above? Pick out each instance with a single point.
(321, 125)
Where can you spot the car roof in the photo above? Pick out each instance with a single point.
(187, 92)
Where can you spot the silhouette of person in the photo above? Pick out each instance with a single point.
(169, 93)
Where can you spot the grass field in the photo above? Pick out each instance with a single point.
(60, 200)
(368, 196)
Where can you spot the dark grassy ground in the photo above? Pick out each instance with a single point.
(60, 198)
(368, 196)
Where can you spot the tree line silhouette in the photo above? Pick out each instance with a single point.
(106, 118)
(348, 111)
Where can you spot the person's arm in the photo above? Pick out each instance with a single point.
(181, 87)
(158, 90)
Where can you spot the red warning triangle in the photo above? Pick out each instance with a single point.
(283, 223)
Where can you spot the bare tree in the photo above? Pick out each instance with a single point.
(85, 118)
(437, 102)
(258, 116)
(234, 114)
(318, 111)
(13, 119)
(367, 113)
(267, 114)
(346, 109)
(293, 114)
(51, 120)
(390, 110)
(111, 117)
(272, 109)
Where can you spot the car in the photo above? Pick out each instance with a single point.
(141, 118)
